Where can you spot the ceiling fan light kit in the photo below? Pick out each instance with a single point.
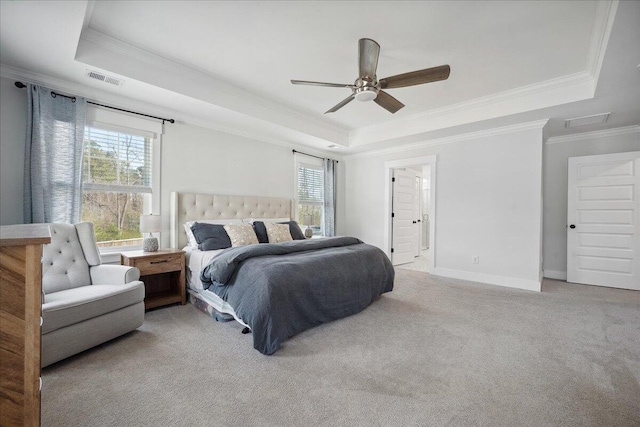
(366, 94)
(367, 87)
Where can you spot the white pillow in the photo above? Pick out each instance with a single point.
(191, 239)
(241, 234)
(278, 232)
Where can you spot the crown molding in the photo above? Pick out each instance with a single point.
(561, 90)
(604, 133)
(603, 23)
(509, 95)
(538, 124)
(119, 101)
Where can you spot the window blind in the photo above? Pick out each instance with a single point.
(310, 185)
(116, 161)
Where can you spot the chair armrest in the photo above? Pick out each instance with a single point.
(105, 274)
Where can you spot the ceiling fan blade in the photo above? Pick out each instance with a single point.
(304, 82)
(388, 102)
(416, 77)
(341, 104)
(368, 52)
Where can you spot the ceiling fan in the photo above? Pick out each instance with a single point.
(367, 87)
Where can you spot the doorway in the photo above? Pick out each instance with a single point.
(410, 205)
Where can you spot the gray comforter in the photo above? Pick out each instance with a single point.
(282, 289)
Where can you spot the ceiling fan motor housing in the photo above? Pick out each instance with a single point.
(366, 89)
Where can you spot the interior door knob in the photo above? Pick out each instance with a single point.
(415, 222)
(572, 226)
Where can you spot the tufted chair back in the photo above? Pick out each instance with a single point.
(66, 260)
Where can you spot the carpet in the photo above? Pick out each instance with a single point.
(435, 352)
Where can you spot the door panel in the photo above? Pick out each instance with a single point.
(603, 247)
(403, 227)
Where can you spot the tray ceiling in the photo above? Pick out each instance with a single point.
(230, 63)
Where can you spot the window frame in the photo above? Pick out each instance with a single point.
(114, 121)
(311, 163)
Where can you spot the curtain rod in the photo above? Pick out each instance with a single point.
(311, 155)
(73, 99)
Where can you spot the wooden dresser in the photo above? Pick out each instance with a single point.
(20, 311)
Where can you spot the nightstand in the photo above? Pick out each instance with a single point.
(162, 273)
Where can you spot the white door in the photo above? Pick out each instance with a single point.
(403, 246)
(417, 214)
(603, 213)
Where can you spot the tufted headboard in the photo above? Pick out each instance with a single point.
(192, 207)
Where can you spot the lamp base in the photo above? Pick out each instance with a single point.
(308, 233)
(150, 244)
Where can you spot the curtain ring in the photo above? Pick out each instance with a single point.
(73, 99)
(53, 94)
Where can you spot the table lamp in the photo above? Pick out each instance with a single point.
(150, 224)
(308, 220)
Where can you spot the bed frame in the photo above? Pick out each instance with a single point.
(194, 207)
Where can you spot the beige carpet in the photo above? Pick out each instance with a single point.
(432, 352)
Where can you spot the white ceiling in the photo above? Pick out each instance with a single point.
(227, 65)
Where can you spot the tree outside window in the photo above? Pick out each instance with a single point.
(311, 195)
(116, 185)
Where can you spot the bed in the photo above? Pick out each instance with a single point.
(276, 290)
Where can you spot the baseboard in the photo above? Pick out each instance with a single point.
(509, 282)
(554, 274)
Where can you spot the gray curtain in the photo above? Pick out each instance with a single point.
(53, 157)
(329, 197)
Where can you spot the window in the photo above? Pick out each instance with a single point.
(116, 185)
(310, 195)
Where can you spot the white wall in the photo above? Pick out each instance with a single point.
(13, 125)
(196, 159)
(488, 203)
(555, 190)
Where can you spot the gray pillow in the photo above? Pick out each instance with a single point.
(210, 236)
(261, 231)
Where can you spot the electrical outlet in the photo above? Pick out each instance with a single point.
(475, 259)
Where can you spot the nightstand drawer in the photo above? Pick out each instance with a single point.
(159, 264)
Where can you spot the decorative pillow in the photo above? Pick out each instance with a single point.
(278, 232)
(261, 231)
(294, 229)
(191, 240)
(241, 234)
(210, 236)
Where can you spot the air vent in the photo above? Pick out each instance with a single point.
(103, 78)
(333, 146)
(586, 120)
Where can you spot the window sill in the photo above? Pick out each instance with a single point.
(112, 255)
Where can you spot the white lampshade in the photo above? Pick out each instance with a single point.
(150, 223)
(307, 220)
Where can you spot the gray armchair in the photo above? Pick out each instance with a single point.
(84, 303)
